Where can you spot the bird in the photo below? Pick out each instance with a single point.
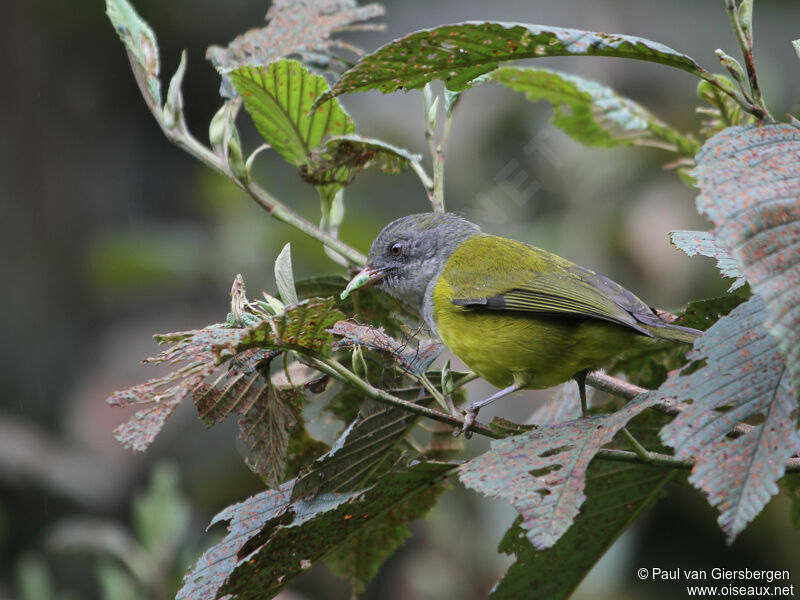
(518, 316)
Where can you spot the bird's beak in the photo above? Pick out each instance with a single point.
(366, 277)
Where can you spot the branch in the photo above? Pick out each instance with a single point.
(338, 371)
(179, 134)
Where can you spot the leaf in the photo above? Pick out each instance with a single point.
(141, 45)
(724, 111)
(284, 277)
(704, 244)
(295, 28)
(648, 367)
(208, 574)
(702, 314)
(360, 557)
(161, 515)
(743, 376)
(564, 405)
(302, 327)
(543, 472)
(749, 179)
(266, 429)
(363, 446)
(796, 44)
(413, 357)
(373, 305)
(272, 540)
(616, 493)
(591, 112)
(343, 157)
(459, 53)
(279, 99)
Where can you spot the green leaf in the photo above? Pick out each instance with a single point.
(724, 111)
(592, 113)
(161, 514)
(173, 107)
(616, 493)
(370, 306)
(284, 277)
(791, 487)
(543, 472)
(459, 53)
(342, 158)
(649, 367)
(359, 559)
(743, 376)
(142, 47)
(272, 540)
(33, 578)
(796, 44)
(749, 179)
(116, 583)
(364, 445)
(295, 29)
(279, 99)
(704, 244)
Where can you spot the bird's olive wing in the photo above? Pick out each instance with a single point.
(569, 291)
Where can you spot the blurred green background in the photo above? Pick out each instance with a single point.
(110, 233)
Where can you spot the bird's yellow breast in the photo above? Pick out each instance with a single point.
(504, 347)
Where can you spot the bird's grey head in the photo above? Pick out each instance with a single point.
(411, 252)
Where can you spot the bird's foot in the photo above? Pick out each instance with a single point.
(469, 418)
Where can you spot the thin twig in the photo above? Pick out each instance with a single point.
(745, 39)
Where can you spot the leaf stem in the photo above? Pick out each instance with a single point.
(180, 135)
(338, 371)
(745, 39)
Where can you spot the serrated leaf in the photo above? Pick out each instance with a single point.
(295, 28)
(744, 376)
(342, 158)
(266, 430)
(543, 472)
(648, 367)
(141, 45)
(279, 99)
(459, 53)
(591, 112)
(201, 352)
(749, 179)
(364, 445)
(359, 559)
(302, 327)
(415, 357)
(704, 244)
(373, 305)
(272, 540)
(284, 277)
(616, 493)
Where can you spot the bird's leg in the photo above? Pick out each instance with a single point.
(580, 378)
(472, 409)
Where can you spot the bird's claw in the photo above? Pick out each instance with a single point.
(469, 419)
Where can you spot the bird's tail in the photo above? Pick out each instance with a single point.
(673, 333)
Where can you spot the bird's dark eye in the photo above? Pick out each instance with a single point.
(396, 249)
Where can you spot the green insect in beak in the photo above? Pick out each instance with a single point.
(518, 316)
